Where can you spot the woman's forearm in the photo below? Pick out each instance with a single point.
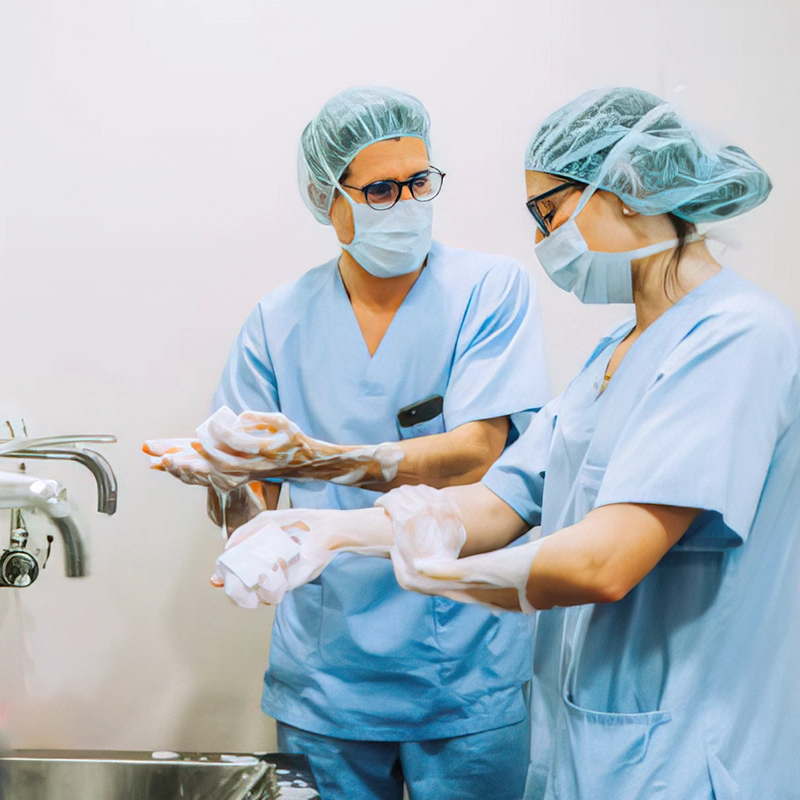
(601, 558)
(490, 522)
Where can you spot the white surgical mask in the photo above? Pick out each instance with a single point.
(592, 276)
(392, 242)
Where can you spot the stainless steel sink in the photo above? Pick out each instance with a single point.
(118, 775)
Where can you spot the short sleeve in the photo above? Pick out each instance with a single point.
(248, 382)
(517, 477)
(705, 432)
(499, 367)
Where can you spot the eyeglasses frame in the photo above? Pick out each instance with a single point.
(532, 204)
(400, 186)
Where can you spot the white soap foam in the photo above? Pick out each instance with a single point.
(248, 761)
(164, 755)
(297, 793)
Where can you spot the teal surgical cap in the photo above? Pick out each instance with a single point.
(637, 146)
(347, 123)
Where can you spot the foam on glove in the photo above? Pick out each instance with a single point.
(277, 551)
(429, 535)
(266, 445)
(232, 450)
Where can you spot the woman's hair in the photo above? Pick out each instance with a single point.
(683, 231)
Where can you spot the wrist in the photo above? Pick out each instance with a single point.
(364, 527)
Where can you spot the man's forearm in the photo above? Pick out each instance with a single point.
(459, 457)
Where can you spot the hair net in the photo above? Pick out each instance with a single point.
(347, 123)
(635, 145)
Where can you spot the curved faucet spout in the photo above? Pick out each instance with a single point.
(75, 559)
(100, 468)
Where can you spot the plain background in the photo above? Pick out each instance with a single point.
(149, 199)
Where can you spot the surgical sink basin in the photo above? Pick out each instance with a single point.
(119, 775)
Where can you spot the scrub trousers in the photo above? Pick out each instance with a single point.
(490, 765)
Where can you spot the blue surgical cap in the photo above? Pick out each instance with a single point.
(347, 123)
(637, 146)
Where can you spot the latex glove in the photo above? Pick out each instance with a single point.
(428, 537)
(18, 490)
(278, 551)
(269, 445)
(183, 459)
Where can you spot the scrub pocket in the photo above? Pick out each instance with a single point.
(654, 754)
(427, 428)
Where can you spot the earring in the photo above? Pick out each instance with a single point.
(626, 211)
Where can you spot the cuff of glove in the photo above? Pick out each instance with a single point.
(524, 605)
(386, 457)
(507, 568)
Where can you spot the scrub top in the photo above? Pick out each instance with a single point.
(689, 687)
(353, 655)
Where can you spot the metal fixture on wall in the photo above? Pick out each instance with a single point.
(19, 564)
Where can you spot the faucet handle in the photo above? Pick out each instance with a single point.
(18, 568)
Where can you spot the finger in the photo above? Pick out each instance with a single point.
(296, 524)
(439, 569)
(239, 593)
(161, 447)
(262, 421)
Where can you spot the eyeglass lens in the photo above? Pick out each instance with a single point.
(543, 220)
(384, 194)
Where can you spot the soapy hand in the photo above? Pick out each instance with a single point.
(278, 551)
(428, 537)
(269, 445)
(184, 459)
(234, 450)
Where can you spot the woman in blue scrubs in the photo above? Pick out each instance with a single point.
(666, 480)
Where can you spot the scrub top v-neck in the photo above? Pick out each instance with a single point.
(351, 328)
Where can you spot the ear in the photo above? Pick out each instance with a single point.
(626, 210)
(341, 217)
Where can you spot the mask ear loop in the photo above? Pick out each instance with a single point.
(586, 195)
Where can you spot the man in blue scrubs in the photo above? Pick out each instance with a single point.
(397, 338)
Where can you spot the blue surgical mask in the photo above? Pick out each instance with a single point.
(592, 276)
(392, 242)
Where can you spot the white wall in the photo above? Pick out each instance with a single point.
(149, 199)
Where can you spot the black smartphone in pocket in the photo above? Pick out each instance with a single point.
(421, 411)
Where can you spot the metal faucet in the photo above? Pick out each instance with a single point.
(18, 566)
(100, 468)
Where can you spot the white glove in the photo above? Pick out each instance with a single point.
(269, 445)
(428, 537)
(18, 490)
(278, 551)
(183, 459)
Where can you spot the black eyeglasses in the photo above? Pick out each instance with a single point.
(543, 221)
(382, 195)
